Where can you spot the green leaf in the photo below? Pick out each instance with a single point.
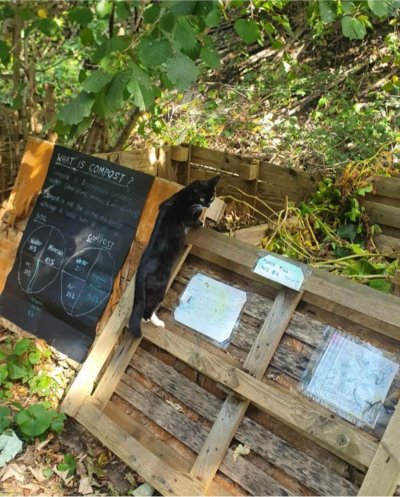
(353, 28)
(153, 53)
(3, 373)
(34, 420)
(15, 371)
(348, 6)
(80, 15)
(181, 71)
(181, 7)
(5, 418)
(26, 14)
(41, 384)
(47, 472)
(96, 81)
(87, 37)
(379, 7)
(48, 27)
(347, 231)
(247, 30)
(167, 22)
(381, 284)
(122, 11)
(210, 57)
(77, 109)
(35, 357)
(151, 14)
(115, 93)
(4, 53)
(213, 19)
(139, 86)
(327, 10)
(184, 35)
(57, 423)
(22, 346)
(364, 190)
(103, 8)
(117, 44)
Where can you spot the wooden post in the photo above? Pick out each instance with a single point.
(182, 157)
(396, 283)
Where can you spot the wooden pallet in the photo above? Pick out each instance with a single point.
(94, 397)
(174, 406)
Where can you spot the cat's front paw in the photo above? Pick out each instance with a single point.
(156, 321)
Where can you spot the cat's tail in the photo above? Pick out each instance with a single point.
(138, 306)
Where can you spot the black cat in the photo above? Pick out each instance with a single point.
(176, 215)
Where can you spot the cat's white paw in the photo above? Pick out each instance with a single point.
(156, 321)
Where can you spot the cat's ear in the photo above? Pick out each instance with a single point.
(213, 181)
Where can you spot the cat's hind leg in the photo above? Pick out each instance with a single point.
(157, 321)
(156, 286)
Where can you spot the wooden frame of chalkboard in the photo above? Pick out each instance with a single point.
(175, 407)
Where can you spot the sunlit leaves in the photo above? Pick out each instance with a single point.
(115, 94)
(210, 57)
(181, 71)
(77, 109)
(140, 87)
(248, 30)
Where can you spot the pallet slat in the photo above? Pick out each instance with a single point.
(299, 465)
(339, 437)
(383, 214)
(256, 363)
(356, 302)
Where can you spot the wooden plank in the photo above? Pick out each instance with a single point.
(384, 472)
(158, 447)
(252, 235)
(256, 363)
(193, 436)
(154, 470)
(125, 351)
(388, 245)
(105, 342)
(383, 214)
(356, 302)
(316, 423)
(274, 449)
(386, 186)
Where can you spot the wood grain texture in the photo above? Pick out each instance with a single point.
(383, 214)
(194, 435)
(386, 186)
(384, 472)
(234, 408)
(297, 464)
(152, 468)
(331, 432)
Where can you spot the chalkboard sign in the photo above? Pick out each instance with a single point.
(75, 242)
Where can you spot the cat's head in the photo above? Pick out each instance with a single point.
(202, 193)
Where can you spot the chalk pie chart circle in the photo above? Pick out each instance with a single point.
(41, 258)
(86, 281)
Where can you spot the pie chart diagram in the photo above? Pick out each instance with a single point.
(41, 258)
(86, 281)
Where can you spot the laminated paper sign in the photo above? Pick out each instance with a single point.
(74, 244)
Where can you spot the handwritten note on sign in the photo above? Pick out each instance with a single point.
(75, 242)
(280, 271)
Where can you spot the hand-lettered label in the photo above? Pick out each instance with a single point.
(280, 271)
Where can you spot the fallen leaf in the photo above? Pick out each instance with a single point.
(14, 471)
(40, 446)
(241, 450)
(68, 481)
(143, 490)
(84, 486)
(10, 446)
(37, 473)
